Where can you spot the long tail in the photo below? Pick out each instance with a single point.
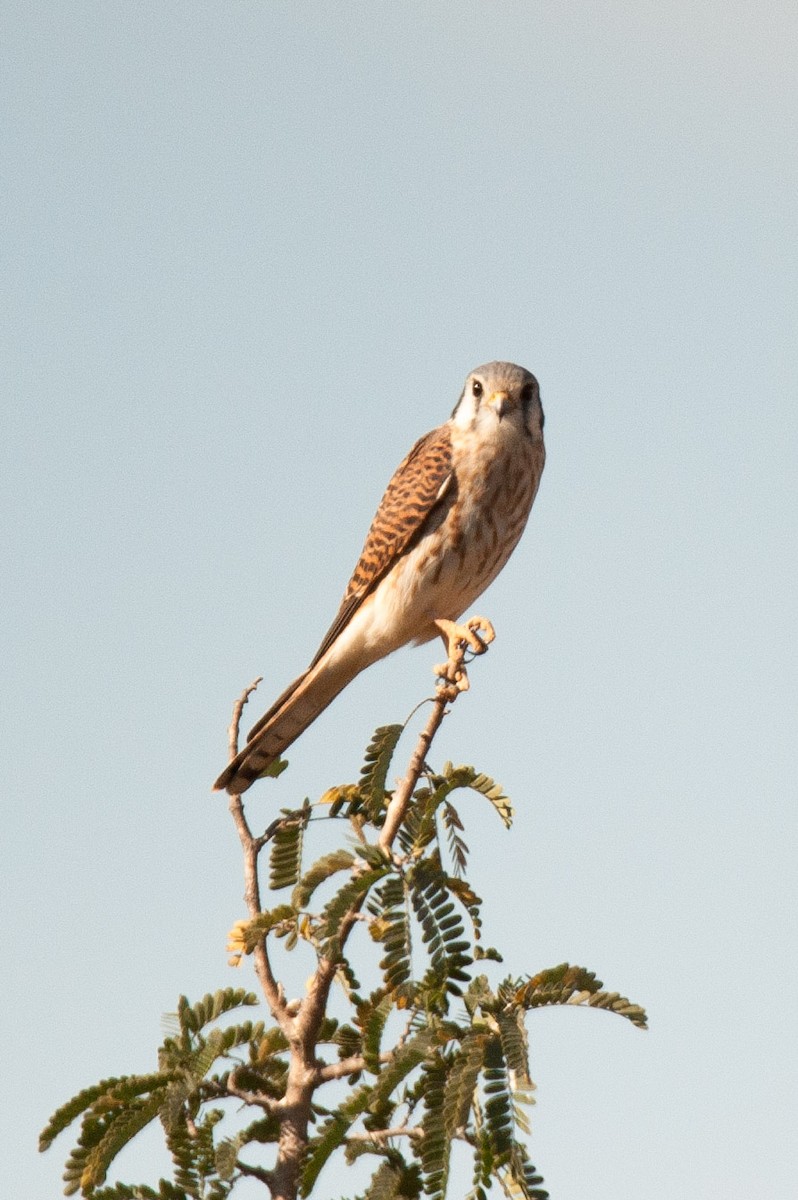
(288, 717)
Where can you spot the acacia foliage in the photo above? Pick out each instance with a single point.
(431, 1056)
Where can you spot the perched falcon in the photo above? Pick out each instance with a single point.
(449, 520)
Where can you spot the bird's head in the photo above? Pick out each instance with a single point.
(499, 393)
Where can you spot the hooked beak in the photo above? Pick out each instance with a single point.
(500, 403)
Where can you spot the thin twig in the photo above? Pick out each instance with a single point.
(381, 1135)
(347, 1066)
(257, 1098)
(401, 797)
(256, 1173)
(235, 723)
(251, 848)
(446, 694)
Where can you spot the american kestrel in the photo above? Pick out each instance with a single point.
(449, 520)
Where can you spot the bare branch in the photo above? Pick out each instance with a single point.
(347, 1066)
(256, 1172)
(381, 1135)
(251, 847)
(401, 797)
(447, 693)
(260, 1099)
(235, 723)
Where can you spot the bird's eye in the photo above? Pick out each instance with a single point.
(476, 389)
(526, 394)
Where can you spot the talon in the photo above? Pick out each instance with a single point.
(453, 679)
(475, 635)
(449, 691)
(483, 631)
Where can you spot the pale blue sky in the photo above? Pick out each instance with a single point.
(252, 251)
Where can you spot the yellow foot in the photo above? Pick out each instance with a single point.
(476, 635)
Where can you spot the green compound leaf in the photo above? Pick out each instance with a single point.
(249, 933)
(372, 1016)
(116, 1136)
(568, 984)
(346, 900)
(435, 1145)
(458, 849)
(285, 858)
(123, 1191)
(193, 1017)
(67, 1113)
(391, 927)
(323, 869)
(376, 765)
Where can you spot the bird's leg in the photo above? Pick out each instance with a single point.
(476, 635)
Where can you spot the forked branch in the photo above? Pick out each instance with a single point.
(302, 1023)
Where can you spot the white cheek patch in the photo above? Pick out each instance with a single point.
(466, 411)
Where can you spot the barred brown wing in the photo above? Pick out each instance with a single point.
(418, 485)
